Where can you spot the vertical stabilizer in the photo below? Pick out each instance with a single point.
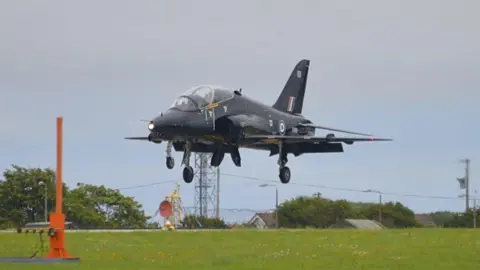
(291, 98)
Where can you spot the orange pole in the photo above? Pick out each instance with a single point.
(57, 219)
(59, 199)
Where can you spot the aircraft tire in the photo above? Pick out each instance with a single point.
(188, 174)
(170, 162)
(284, 175)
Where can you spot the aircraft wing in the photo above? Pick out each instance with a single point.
(137, 138)
(310, 139)
(334, 129)
(146, 138)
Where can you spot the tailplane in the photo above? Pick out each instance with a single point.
(291, 98)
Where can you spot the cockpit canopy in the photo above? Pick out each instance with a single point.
(201, 96)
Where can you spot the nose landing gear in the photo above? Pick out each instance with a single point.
(170, 162)
(188, 172)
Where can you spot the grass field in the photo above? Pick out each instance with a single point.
(249, 249)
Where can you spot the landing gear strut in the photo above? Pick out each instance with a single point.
(170, 162)
(284, 171)
(188, 172)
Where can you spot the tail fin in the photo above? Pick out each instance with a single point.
(291, 98)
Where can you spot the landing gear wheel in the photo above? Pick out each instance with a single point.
(170, 162)
(284, 175)
(188, 174)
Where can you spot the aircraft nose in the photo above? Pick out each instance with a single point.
(167, 121)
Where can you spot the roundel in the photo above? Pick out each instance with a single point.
(165, 209)
(281, 127)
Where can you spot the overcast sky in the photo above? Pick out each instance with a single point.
(408, 70)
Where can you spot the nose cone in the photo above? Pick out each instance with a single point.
(169, 119)
(171, 122)
(174, 123)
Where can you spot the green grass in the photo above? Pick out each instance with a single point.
(248, 249)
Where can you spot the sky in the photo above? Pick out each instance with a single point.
(405, 70)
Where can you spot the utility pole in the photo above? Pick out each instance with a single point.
(276, 207)
(464, 183)
(475, 210)
(467, 182)
(379, 203)
(46, 202)
(276, 203)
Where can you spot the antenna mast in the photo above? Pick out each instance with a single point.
(207, 190)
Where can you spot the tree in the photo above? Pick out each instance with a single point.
(153, 225)
(192, 222)
(319, 212)
(315, 212)
(22, 200)
(394, 215)
(21, 196)
(458, 220)
(443, 218)
(98, 206)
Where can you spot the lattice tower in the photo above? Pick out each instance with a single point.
(207, 187)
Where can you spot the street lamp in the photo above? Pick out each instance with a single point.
(27, 190)
(379, 202)
(41, 183)
(276, 202)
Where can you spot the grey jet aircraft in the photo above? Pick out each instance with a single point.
(216, 120)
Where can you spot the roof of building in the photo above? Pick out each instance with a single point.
(267, 217)
(361, 224)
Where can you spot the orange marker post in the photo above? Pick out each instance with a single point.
(57, 219)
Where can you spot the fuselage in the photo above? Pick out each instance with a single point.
(226, 120)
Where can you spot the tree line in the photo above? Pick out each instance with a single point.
(22, 200)
(318, 212)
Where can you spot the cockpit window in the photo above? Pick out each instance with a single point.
(184, 104)
(201, 96)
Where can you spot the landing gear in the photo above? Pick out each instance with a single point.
(284, 175)
(217, 156)
(170, 161)
(284, 171)
(188, 173)
(235, 155)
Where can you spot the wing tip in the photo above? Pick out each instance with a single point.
(135, 138)
(381, 139)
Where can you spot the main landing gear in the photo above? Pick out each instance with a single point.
(188, 172)
(284, 171)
